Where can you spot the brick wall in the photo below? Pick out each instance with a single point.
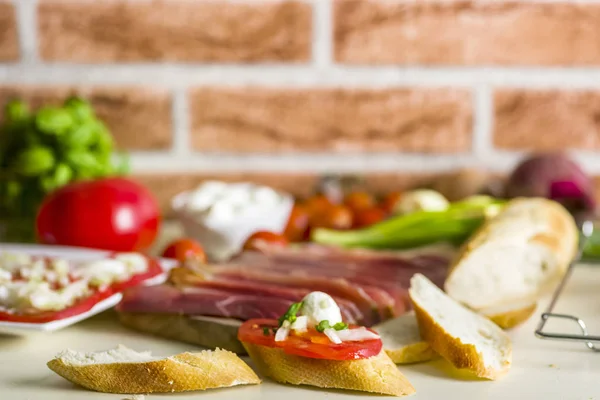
(279, 91)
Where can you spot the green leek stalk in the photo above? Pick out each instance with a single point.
(454, 225)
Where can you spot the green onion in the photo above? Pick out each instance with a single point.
(340, 326)
(322, 326)
(454, 225)
(290, 314)
(266, 331)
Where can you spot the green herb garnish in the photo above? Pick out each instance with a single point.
(290, 314)
(322, 326)
(340, 326)
(266, 331)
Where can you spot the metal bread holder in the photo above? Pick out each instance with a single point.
(587, 227)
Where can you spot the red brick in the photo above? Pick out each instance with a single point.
(139, 118)
(256, 119)
(466, 32)
(9, 42)
(547, 119)
(174, 30)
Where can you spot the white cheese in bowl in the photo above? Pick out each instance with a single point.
(222, 215)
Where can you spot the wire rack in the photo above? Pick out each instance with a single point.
(587, 228)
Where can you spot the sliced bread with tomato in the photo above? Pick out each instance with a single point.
(466, 339)
(318, 349)
(123, 370)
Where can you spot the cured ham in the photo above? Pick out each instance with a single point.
(368, 286)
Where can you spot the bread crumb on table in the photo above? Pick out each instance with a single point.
(136, 397)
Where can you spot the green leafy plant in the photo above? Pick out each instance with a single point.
(44, 150)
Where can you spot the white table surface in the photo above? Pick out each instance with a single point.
(541, 369)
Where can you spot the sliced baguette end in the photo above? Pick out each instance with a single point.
(452, 348)
(510, 316)
(376, 374)
(402, 341)
(179, 373)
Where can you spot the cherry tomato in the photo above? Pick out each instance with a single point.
(317, 204)
(359, 201)
(335, 217)
(184, 249)
(311, 344)
(112, 214)
(368, 217)
(389, 201)
(297, 226)
(260, 238)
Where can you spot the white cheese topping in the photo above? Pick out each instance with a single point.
(28, 282)
(319, 306)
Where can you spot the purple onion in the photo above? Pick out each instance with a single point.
(554, 176)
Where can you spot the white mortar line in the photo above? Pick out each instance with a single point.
(322, 33)
(27, 29)
(483, 115)
(181, 123)
(177, 76)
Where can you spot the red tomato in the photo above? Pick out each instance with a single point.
(390, 200)
(335, 217)
(297, 226)
(317, 204)
(112, 214)
(368, 217)
(311, 344)
(357, 201)
(86, 303)
(184, 249)
(257, 239)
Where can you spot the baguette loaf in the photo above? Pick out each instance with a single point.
(464, 338)
(402, 341)
(208, 332)
(376, 374)
(126, 371)
(515, 255)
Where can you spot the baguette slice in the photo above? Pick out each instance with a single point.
(466, 339)
(518, 254)
(209, 332)
(376, 374)
(510, 315)
(126, 371)
(402, 341)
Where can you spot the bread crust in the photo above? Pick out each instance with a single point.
(179, 373)
(512, 318)
(376, 374)
(412, 353)
(210, 333)
(461, 355)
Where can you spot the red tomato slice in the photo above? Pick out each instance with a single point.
(311, 344)
(86, 303)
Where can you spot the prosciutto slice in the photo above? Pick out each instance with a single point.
(368, 286)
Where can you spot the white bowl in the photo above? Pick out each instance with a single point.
(223, 239)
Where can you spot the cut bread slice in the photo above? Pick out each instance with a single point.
(209, 332)
(376, 374)
(402, 341)
(466, 339)
(127, 371)
(518, 254)
(510, 315)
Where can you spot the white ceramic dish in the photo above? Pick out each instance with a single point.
(223, 239)
(75, 254)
